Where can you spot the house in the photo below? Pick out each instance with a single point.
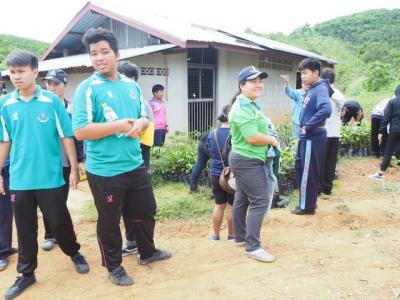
(198, 65)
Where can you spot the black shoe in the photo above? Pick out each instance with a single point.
(19, 286)
(80, 263)
(158, 255)
(326, 192)
(299, 211)
(12, 251)
(119, 276)
(129, 250)
(282, 202)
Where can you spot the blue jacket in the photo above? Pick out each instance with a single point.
(316, 109)
(297, 97)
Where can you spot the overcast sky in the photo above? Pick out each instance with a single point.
(45, 19)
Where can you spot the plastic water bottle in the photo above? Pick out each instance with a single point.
(110, 116)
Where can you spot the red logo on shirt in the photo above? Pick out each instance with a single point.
(109, 198)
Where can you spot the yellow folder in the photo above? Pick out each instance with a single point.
(147, 136)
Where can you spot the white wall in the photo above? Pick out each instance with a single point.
(175, 84)
(74, 80)
(273, 100)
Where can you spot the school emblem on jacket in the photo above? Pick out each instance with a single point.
(43, 118)
(132, 94)
(15, 116)
(305, 101)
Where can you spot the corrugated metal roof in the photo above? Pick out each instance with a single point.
(278, 46)
(186, 31)
(83, 60)
(180, 29)
(173, 30)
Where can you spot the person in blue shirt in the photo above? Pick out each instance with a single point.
(313, 136)
(221, 197)
(297, 97)
(56, 82)
(6, 220)
(34, 125)
(6, 215)
(109, 114)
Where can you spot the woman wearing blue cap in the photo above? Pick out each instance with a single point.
(254, 177)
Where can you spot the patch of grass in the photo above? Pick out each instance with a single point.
(368, 100)
(174, 202)
(90, 211)
(294, 199)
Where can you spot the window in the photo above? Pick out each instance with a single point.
(207, 56)
(200, 83)
(275, 63)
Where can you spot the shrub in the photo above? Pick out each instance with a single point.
(356, 136)
(377, 76)
(177, 157)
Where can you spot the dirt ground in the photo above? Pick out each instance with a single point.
(349, 250)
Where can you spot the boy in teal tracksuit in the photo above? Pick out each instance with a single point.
(109, 114)
(34, 123)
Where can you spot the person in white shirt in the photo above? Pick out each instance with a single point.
(333, 126)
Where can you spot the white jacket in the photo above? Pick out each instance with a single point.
(333, 123)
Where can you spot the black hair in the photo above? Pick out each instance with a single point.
(156, 88)
(329, 74)
(310, 63)
(128, 69)
(234, 97)
(397, 91)
(22, 58)
(93, 36)
(223, 117)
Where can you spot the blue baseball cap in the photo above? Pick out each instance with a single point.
(250, 73)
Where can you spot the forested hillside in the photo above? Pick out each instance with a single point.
(9, 43)
(366, 46)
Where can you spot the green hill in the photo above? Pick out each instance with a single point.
(366, 47)
(9, 43)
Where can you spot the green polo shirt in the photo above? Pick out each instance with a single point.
(34, 129)
(246, 119)
(114, 154)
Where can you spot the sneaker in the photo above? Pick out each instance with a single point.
(119, 276)
(231, 238)
(19, 286)
(80, 263)
(3, 263)
(48, 244)
(377, 176)
(261, 255)
(240, 244)
(215, 237)
(158, 255)
(129, 250)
